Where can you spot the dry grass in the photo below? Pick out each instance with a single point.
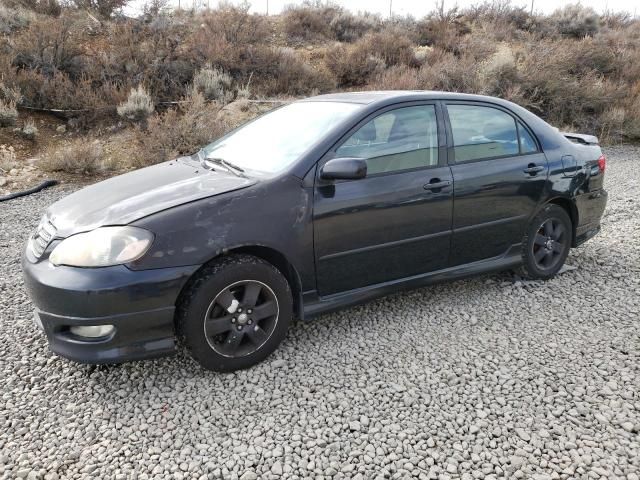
(321, 21)
(7, 159)
(356, 64)
(180, 131)
(347, 27)
(311, 21)
(78, 156)
(573, 68)
(8, 113)
(495, 48)
(291, 75)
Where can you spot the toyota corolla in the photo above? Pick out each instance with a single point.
(320, 204)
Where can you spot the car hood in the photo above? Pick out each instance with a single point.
(129, 197)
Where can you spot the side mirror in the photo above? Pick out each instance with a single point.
(344, 169)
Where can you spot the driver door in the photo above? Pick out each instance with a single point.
(395, 222)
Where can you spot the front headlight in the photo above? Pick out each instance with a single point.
(102, 247)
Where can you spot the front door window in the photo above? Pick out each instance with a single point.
(401, 139)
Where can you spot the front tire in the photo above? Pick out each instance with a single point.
(546, 243)
(235, 313)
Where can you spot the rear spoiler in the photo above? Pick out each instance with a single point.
(580, 138)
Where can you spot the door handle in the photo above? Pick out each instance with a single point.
(436, 184)
(533, 169)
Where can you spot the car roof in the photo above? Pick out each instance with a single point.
(391, 96)
(372, 100)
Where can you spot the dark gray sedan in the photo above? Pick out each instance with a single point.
(320, 204)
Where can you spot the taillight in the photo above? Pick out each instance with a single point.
(602, 163)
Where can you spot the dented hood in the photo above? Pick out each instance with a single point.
(129, 197)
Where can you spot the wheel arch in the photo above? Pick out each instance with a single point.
(268, 254)
(572, 211)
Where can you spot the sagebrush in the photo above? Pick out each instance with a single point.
(214, 84)
(8, 113)
(575, 68)
(8, 160)
(78, 156)
(572, 67)
(29, 130)
(180, 131)
(138, 105)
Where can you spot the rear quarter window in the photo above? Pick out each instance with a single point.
(527, 143)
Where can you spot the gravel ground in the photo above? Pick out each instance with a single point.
(484, 378)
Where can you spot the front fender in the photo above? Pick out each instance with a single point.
(273, 214)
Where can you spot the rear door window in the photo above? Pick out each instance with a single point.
(481, 132)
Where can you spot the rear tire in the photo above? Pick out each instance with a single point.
(546, 243)
(235, 313)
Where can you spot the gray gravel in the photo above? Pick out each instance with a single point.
(484, 378)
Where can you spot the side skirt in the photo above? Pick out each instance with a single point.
(315, 305)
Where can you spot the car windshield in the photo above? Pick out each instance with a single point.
(275, 140)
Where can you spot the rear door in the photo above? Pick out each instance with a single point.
(396, 222)
(499, 173)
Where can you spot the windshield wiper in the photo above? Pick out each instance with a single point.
(239, 171)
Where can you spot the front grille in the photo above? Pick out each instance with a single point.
(41, 239)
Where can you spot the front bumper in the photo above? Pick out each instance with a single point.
(139, 304)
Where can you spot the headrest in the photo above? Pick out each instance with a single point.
(367, 133)
(501, 131)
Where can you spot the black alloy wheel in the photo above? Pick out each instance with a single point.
(234, 313)
(546, 243)
(549, 244)
(241, 318)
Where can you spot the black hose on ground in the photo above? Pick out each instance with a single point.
(42, 186)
